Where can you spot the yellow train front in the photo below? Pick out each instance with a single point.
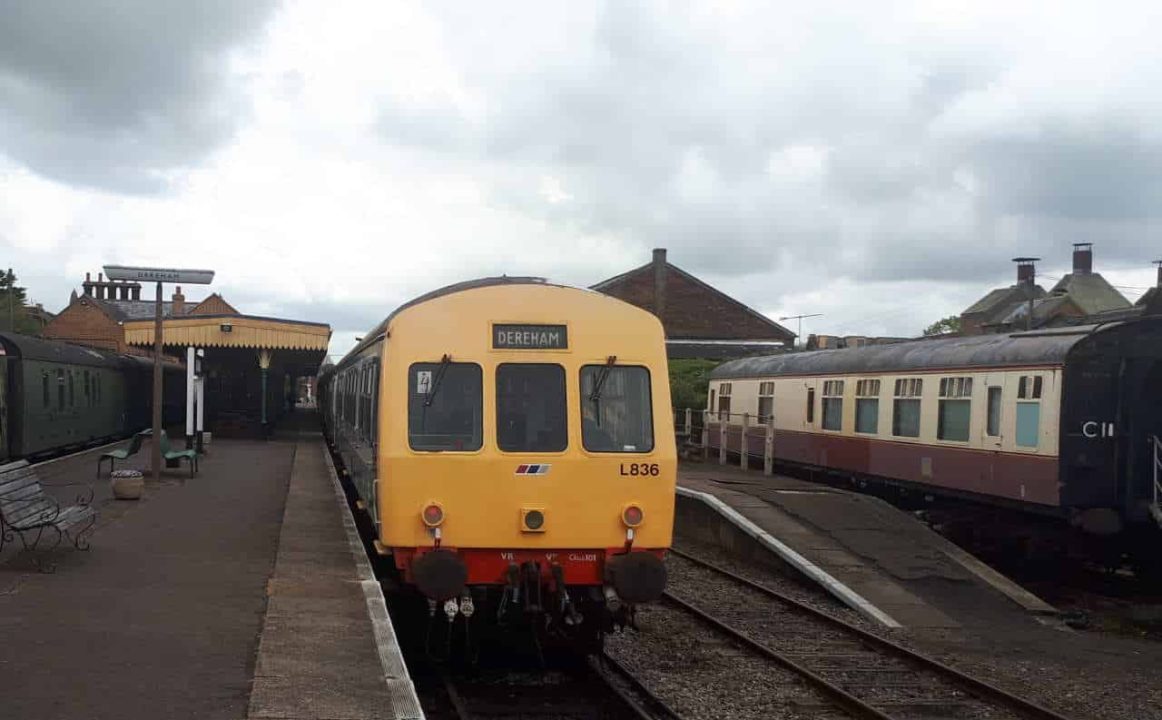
(512, 441)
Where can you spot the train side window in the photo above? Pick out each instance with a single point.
(833, 405)
(906, 407)
(810, 406)
(616, 409)
(445, 406)
(955, 411)
(60, 389)
(1028, 410)
(993, 424)
(45, 396)
(867, 406)
(724, 390)
(766, 401)
(88, 390)
(1029, 387)
(713, 395)
(531, 408)
(72, 391)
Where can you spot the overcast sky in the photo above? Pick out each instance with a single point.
(879, 163)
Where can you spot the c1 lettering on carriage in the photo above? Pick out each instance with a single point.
(640, 469)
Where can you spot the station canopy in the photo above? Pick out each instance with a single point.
(249, 332)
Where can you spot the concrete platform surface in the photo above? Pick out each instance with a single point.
(884, 555)
(212, 597)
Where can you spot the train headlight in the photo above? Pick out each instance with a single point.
(632, 516)
(432, 515)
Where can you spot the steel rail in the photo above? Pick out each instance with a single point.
(983, 690)
(601, 662)
(841, 697)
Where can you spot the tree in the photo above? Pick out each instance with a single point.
(944, 326)
(14, 315)
(689, 381)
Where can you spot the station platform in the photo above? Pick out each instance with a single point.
(875, 558)
(242, 592)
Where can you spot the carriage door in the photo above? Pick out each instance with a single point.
(992, 430)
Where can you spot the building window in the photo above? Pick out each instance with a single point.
(445, 406)
(616, 409)
(906, 407)
(955, 409)
(724, 402)
(530, 407)
(833, 405)
(993, 424)
(766, 402)
(867, 406)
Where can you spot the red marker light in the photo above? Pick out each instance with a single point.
(632, 516)
(432, 515)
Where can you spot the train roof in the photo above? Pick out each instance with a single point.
(381, 328)
(33, 348)
(1039, 347)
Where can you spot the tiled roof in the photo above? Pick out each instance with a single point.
(1091, 292)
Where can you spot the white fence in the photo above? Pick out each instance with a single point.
(727, 433)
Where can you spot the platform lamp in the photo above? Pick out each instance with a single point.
(159, 276)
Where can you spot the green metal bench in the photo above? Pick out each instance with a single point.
(119, 454)
(168, 453)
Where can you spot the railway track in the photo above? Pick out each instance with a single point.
(864, 674)
(602, 689)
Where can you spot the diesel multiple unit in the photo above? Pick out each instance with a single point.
(512, 443)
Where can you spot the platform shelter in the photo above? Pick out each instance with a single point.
(242, 369)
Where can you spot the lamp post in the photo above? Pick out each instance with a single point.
(158, 275)
(263, 367)
(799, 334)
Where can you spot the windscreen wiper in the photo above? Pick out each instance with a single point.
(444, 363)
(602, 377)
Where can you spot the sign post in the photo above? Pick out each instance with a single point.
(158, 275)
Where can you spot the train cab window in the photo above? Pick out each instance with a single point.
(906, 407)
(766, 402)
(955, 409)
(1028, 410)
(530, 408)
(616, 409)
(833, 405)
(445, 406)
(867, 406)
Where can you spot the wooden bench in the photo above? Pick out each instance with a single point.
(27, 511)
(119, 454)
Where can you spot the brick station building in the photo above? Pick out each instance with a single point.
(250, 363)
(700, 321)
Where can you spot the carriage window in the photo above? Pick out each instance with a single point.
(955, 409)
(88, 390)
(993, 424)
(906, 407)
(810, 405)
(724, 402)
(45, 396)
(832, 404)
(616, 410)
(72, 391)
(530, 408)
(766, 401)
(1028, 423)
(1029, 387)
(60, 389)
(867, 406)
(445, 406)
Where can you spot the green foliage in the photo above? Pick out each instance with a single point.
(14, 315)
(689, 380)
(943, 326)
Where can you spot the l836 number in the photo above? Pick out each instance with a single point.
(639, 469)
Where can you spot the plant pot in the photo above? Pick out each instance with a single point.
(127, 484)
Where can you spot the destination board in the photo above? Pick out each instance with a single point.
(530, 337)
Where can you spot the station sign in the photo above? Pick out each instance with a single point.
(169, 275)
(530, 337)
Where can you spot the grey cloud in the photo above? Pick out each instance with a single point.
(114, 93)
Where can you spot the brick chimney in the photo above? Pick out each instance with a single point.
(1026, 270)
(659, 281)
(87, 286)
(99, 286)
(179, 303)
(1082, 258)
(1159, 264)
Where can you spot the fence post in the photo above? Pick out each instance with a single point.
(705, 433)
(722, 423)
(689, 425)
(769, 447)
(744, 446)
